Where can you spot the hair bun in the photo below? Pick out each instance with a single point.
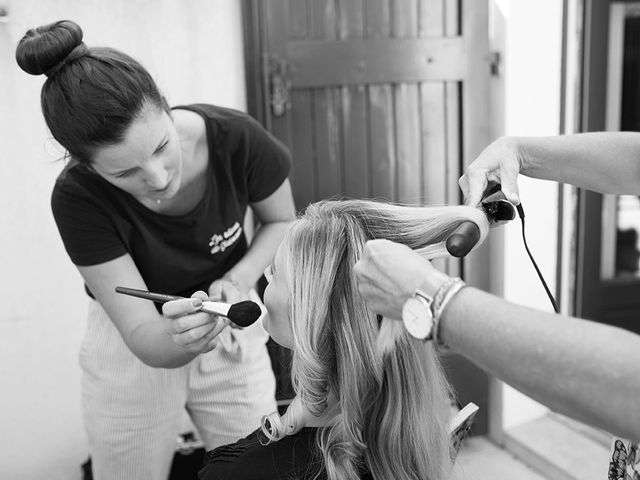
(43, 48)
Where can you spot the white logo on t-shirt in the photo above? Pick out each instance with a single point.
(219, 243)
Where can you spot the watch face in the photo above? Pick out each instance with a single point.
(417, 319)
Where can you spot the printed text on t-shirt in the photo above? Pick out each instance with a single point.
(219, 243)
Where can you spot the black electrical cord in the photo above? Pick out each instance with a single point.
(535, 265)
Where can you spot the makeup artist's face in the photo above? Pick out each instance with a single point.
(276, 299)
(148, 162)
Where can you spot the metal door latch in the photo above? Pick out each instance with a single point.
(279, 86)
(495, 62)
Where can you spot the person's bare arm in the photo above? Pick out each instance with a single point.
(585, 370)
(275, 213)
(152, 338)
(605, 162)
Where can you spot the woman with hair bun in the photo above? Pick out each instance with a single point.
(154, 198)
(371, 400)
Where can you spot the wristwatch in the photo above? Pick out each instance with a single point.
(417, 316)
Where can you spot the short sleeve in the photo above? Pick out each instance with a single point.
(268, 162)
(88, 234)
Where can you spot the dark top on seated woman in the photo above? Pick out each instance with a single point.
(295, 457)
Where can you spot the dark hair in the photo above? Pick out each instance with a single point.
(91, 95)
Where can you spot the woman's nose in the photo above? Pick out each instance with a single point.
(156, 175)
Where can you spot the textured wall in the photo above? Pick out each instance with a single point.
(194, 49)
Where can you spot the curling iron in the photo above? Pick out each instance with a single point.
(498, 211)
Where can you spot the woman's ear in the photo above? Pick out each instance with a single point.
(165, 106)
(89, 168)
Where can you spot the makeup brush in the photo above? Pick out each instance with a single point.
(243, 313)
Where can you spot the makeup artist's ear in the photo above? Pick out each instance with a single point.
(89, 168)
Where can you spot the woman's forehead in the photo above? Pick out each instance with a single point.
(142, 138)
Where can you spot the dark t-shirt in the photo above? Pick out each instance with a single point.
(175, 254)
(295, 457)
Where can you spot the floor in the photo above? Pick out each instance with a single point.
(480, 459)
(550, 448)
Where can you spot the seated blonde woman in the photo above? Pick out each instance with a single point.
(371, 401)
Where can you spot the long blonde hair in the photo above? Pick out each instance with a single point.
(394, 401)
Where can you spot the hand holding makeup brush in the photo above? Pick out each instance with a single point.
(191, 328)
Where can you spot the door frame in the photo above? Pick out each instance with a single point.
(607, 300)
(255, 72)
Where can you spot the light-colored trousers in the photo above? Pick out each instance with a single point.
(133, 412)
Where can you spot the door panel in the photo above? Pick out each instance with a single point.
(383, 65)
(357, 177)
(407, 124)
(387, 99)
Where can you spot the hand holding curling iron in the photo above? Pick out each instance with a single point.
(500, 162)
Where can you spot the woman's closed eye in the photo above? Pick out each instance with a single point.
(162, 147)
(125, 173)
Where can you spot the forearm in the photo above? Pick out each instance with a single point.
(151, 343)
(259, 255)
(142, 328)
(606, 162)
(582, 369)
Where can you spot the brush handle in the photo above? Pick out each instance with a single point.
(156, 297)
(219, 308)
(208, 307)
(239, 315)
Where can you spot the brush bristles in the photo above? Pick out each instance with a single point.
(244, 313)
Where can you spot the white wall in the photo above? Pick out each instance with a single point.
(526, 102)
(195, 51)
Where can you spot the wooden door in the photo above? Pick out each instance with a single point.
(384, 99)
